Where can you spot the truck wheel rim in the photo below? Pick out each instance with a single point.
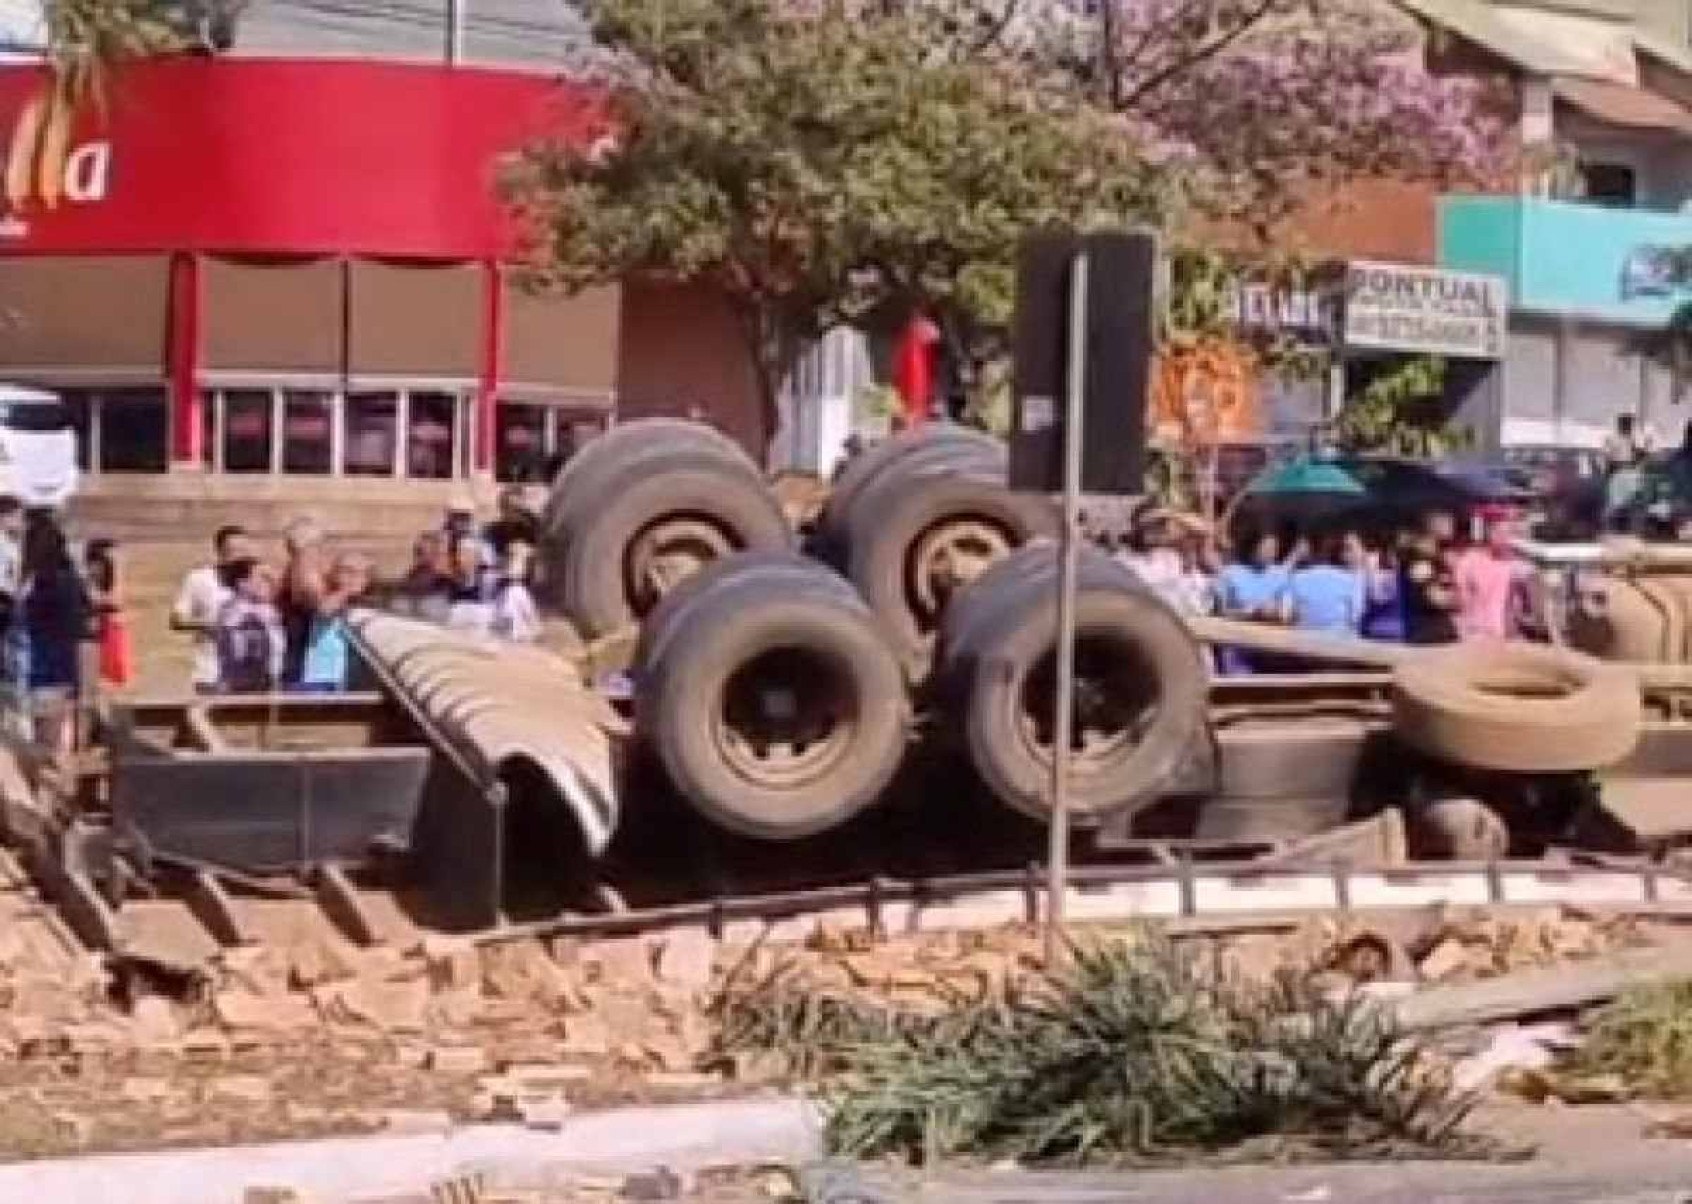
(668, 552)
(1116, 703)
(785, 719)
(947, 557)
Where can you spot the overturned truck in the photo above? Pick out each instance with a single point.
(891, 662)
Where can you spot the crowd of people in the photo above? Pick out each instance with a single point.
(260, 627)
(61, 621)
(1420, 586)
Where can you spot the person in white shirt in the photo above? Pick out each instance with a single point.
(515, 616)
(201, 600)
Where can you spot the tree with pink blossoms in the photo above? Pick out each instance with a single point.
(1266, 103)
(829, 161)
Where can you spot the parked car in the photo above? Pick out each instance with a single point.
(38, 453)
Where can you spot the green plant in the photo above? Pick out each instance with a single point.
(1130, 1051)
(1402, 410)
(1645, 1037)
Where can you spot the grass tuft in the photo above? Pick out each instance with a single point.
(1644, 1037)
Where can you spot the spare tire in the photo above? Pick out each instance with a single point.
(657, 519)
(583, 475)
(913, 541)
(1141, 686)
(955, 448)
(771, 701)
(1520, 708)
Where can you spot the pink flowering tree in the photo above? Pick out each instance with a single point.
(1265, 104)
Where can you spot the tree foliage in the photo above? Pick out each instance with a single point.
(1401, 411)
(817, 166)
(1266, 104)
(823, 161)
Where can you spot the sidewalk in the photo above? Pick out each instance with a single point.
(333, 1172)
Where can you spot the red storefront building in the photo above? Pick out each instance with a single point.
(289, 279)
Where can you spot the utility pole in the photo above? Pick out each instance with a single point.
(455, 31)
(1063, 706)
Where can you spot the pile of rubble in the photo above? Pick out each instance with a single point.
(321, 1036)
(317, 1036)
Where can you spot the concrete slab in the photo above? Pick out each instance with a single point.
(332, 1172)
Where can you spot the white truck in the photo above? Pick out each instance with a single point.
(38, 453)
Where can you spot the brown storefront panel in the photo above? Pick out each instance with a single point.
(96, 315)
(273, 317)
(682, 351)
(414, 321)
(564, 343)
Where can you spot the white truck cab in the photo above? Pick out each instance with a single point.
(37, 447)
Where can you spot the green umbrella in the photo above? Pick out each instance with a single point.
(1305, 477)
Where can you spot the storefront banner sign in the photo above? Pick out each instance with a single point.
(1427, 311)
(278, 157)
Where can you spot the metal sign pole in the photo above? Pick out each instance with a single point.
(455, 32)
(1063, 710)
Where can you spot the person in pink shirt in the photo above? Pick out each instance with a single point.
(1486, 584)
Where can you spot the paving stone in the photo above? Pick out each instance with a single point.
(688, 959)
(457, 1059)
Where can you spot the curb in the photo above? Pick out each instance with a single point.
(680, 1136)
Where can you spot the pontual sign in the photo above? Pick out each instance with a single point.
(1396, 307)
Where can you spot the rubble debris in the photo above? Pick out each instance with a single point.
(387, 1006)
(245, 1088)
(272, 1195)
(1562, 988)
(243, 1010)
(416, 1122)
(457, 1059)
(653, 1187)
(687, 958)
(1510, 1053)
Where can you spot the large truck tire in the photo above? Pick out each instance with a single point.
(952, 448)
(1141, 686)
(605, 456)
(772, 701)
(1614, 620)
(776, 569)
(1519, 708)
(650, 525)
(913, 542)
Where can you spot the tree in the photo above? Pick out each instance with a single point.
(1403, 411)
(820, 163)
(1266, 104)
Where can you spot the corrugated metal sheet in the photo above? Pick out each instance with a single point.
(503, 705)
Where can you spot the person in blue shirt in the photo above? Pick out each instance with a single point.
(326, 663)
(1325, 595)
(1254, 589)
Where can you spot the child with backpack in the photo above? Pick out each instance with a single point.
(251, 643)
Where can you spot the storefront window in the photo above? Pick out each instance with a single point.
(432, 435)
(134, 430)
(308, 432)
(247, 436)
(521, 444)
(371, 438)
